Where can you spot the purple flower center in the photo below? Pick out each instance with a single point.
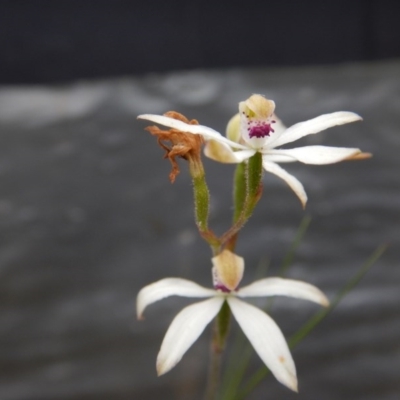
(260, 130)
(222, 288)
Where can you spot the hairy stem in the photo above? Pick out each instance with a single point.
(220, 333)
(249, 181)
(201, 207)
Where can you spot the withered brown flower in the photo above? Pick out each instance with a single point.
(181, 144)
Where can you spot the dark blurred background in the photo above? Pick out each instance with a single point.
(58, 41)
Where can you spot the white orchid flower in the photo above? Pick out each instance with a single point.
(262, 332)
(257, 129)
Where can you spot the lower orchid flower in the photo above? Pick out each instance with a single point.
(261, 330)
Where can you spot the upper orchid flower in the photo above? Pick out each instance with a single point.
(257, 129)
(262, 332)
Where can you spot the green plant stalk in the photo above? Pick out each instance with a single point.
(236, 367)
(244, 205)
(254, 176)
(220, 334)
(201, 207)
(315, 319)
(239, 190)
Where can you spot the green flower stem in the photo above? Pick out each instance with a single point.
(248, 180)
(220, 333)
(201, 206)
(239, 190)
(254, 176)
(223, 320)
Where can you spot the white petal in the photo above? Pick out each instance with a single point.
(267, 340)
(207, 132)
(314, 125)
(223, 153)
(184, 330)
(283, 287)
(317, 154)
(277, 157)
(169, 287)
(293, 182)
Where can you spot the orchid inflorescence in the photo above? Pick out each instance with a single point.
(253, 139)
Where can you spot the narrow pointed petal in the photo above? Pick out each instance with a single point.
(221, 152)
(314, 125)
(267, 340)
(318, 154)
(169, 287)
(293, 182)
(284, 287)
(205, 131)
(277, 157)
(184, 330)
(360, 156)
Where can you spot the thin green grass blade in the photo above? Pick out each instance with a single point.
(315, 320)
(242, 354)
(301, 231)
(288, 259)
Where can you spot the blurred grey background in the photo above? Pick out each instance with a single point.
(88, 216)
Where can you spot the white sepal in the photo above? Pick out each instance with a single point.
(184, 330)
(205, 131)
(317, 155)
(267, 340)
(293, 182)
(169, 287)
(314, 125)
(283, 287)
